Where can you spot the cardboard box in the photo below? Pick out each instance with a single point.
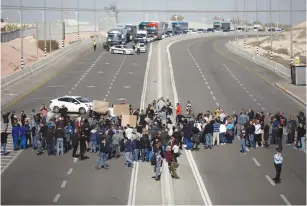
(121, 109)
(129, 119)
(100, 106)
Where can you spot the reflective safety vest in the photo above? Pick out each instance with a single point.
(137, 45)
(94, 43)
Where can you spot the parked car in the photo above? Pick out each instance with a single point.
(72, 103)
(121, 49)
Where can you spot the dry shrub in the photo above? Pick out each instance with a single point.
(302, 35)
(281, 51)
(54, 45)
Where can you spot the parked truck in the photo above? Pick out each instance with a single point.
(258, 27)
(156, 29)
(179, 26)
(115, 36)
(227, 27)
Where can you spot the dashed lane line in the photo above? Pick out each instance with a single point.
(270, 180)
(56, 198)
(285, 199)
(256, 162)
(69, 171)
(63, 185)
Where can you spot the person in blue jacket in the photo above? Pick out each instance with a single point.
(23, 137)
(135, 148)
(15, 134)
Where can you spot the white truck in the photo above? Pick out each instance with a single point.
(258, 27)
(141, 36)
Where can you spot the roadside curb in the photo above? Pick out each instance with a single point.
(290, 94)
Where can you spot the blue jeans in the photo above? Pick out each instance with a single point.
(15, 142)
(39, 145)
(50, 149)
(163, 150)
(145, 155)
(3, 145)
(252, 140)
(208, 140)
(303, 143)
(222, 137)
(128, 160)
(23, 142)
(102, 160)
(59, 146)
(135, 154)
(93, 145)
(243, 145)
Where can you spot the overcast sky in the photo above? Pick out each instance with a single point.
(162, 5)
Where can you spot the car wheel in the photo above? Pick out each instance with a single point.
(82, 110)
(112, 51)
(56, 109)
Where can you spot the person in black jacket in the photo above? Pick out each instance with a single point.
(44, 131)
(6, 121)
(75, 143)
(279, 135)
(145, 144)
(50, 139)
(178, 136)
(84, 135)
(3, 142)
(103, 154)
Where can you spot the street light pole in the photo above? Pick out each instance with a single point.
(78, 20)
(257, 23)
(45, 28)
(95, 16)
(291, 43)
(21, 35)
(62, 24)
(271, 34)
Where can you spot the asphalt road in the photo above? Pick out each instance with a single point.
(207, 74)
(44, 180)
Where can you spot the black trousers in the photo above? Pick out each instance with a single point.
(75, 148)
(138, 51)
(94, 47)
(290, 138)
(82, 148)
(279, 142)
(278, 171)
(258, 139)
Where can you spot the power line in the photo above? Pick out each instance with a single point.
(6, 7)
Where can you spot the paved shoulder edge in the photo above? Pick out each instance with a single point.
(291, 94)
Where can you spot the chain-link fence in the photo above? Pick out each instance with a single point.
(15, 34)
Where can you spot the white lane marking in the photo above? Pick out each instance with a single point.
(90, 86)
(10, 94)
(83, 75)
(208, 87)
(113, 80)
(86, 73)
(111, 83)
(73, 88)
(247, 91)
(193, 165)
(217, 104)
(81, 78)
(160, 83)
(127, 87)
(43, 98)
(198, 178)
(247, 149)
(76, 85)
(256, 162)
(214, 98)
(63, 184)
(270, 180)
(285, 199)
(56, 198)
(205, 79)
(100, 72)
(211, 92)
(263, 108)
(69, 171)
(57, 86)
(135, 182)
(206, 82)
(108, 92)
(131, 188)
(79, 81)
(110, 87)
(244, 88)
(258, 104)
(107, 63)
(251, 95)
(255, 100)
(241, 85)
(75, 160)
(69, 92)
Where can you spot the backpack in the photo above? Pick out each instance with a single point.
(153, 159)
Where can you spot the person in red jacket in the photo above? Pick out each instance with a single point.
(178, 109)
(171, 164)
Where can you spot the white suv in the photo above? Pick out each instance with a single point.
(72, 103)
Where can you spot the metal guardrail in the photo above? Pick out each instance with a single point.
(32, 69)
(269, 64)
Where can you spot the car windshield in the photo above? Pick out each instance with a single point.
(82, 100)
(140, 35)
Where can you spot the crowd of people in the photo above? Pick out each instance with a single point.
(158, 135)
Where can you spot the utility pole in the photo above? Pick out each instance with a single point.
(291, 43)
(78, 20)
(271, 34)
(244, 43)
(62, 23)
(237, 5)
(45, 30)
(257, 23)
(21, 35)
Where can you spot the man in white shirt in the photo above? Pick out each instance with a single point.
(257, 134)
(223, 133)
(176, 151)
(128, 132)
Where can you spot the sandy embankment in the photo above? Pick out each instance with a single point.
(10, 51)
(281, 45)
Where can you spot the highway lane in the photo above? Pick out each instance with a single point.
(15, 174)
(85, 177)
(225, 89)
